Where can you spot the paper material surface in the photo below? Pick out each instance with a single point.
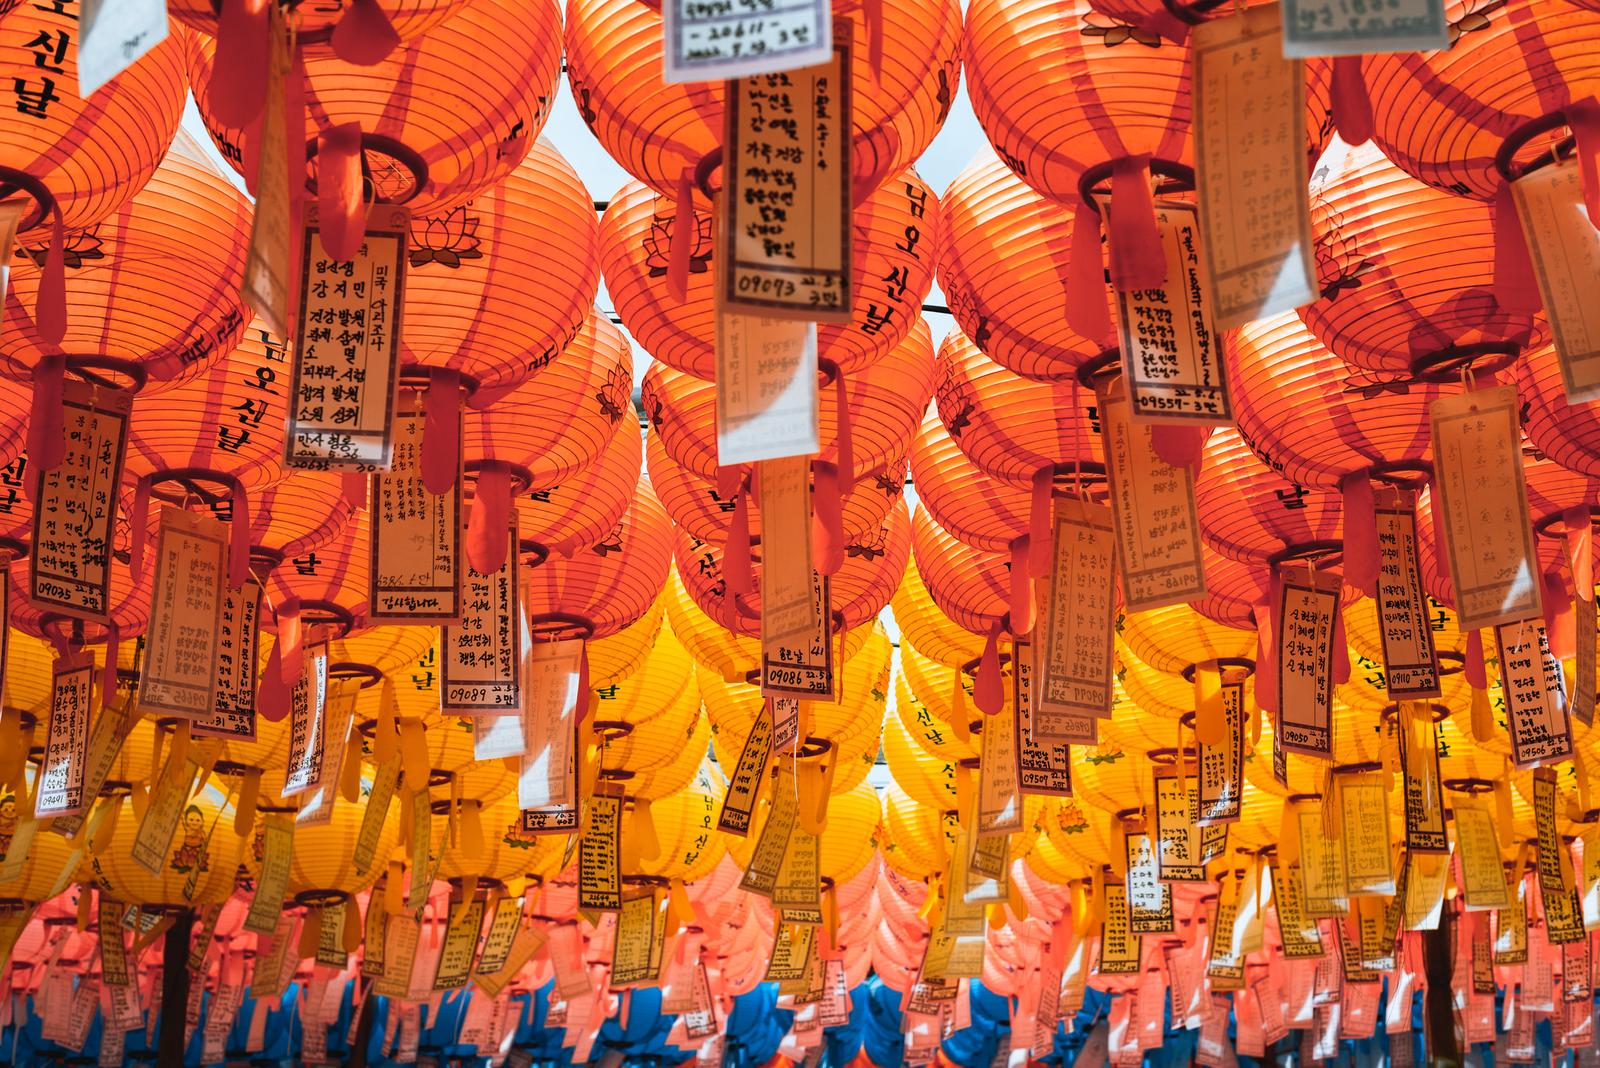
(1330, 28)
(710, 41)
(766, 389)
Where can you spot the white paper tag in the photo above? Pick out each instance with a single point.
(1333, 28)
(113, 34)
(766, 389)
(710, 41)
(1565, 248)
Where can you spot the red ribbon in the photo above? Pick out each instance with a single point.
(1341, 649)
(1560, 616)
(354, 486)
(1580, 539)
(736, 565)
(827, 518)
(684, 231)
(1040, 539)
(872, 15)
(1179, 445)
(1584, 118)
(1515, 289)
(340, 185)
(47, 432)
(1267, 651)
(239, 543)
(1352, 108)
(364, 36)
(1476, 673)
(730, 480)
(1087, 310)
(987, 691)
(239, 69)
(584, 696)
(844, 442)
(441, 431)
(1360, 533)
(108, 670)
(289, 639)
(1021, 588)
(487, 543)
(50, 304)
(1137, 259)
(138, 533)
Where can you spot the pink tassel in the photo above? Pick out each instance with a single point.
(1515, 289)
(239, 72)
(1341, 649)
(827, 518)
(1560, 616)
(988, 693)
(487, 543)
(108, 670)
(1584, 118)
(1360, 533)
(47, 432)
(441, 431)
(736, 566)
(50, 305)
(730, 481)
(354, 486)
(1040, 537)
(239, 543)
(343, 215)
(273, 695)
(1474, 669)
(364, 36)
(1179, 444)
(844, 444)
(1137, 259)
(1087, 310)
(684, 231)
(1352, 108)
(1267, 652)
(138, 532)
(1021, 588)
(872, 15)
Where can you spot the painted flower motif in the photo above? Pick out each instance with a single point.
(971, 317)
(446, 239)
(81, 247)
(613, 397)
(658, 246)
(1119, 33)
(1477, 19)
(611, 543)
(1371, 385)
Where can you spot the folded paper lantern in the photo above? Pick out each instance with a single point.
(346, 28)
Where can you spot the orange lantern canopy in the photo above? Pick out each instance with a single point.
(895, 239)
(350, 29)
(1568, 432)
(661, 133)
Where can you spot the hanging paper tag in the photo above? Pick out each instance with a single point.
(1225, 967)
(600, 853)
(1424, 792)
(791, 953)
(1053, 729)
(1411, 667)
(1565, 248)
(1220, 775)
(1531, 681)
(1153, 509)
(113, 950)
(374, 813)
(761, 874)
(785, 713)
(999, 807)
(1044, 766)
(744, 785)
(1250, 159)
(1119, 945)
(789, 608)
(161, 816)
(797, 891)
(766, 389)
(1426, 874)
(1327, 28)
(1563, 909)
(1321, 864)
(1477, 459)
(233, 715)
(1364, 833)
(1307, 614)
(1075, 654)
(631, 952)
(277, 856)
(706, 43)
(338, 720)
(547, 786)
(180, 666)
(1177, 837)
(460, 944)
(110, 730)
(347, 346)
(267, 267)
(416, 538)
(1171, 356)
(786, 200)
(527, 941)
(1149, 899)
(1301, 937)
(113, 35)
(482, 655)
(801, 665)
(503, 928)
(1483, 879)
(75, 510)
(308, 706)
(60, 786)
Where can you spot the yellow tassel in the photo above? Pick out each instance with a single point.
(815, 778)
(414, 759)
(108, 826)
(469, 887)
(452, 819)
(1289, 835)
(830, 913)
(1580, 766)
(353, 927)
(139, 794)
(394, 898)
(1504, 822)
(1119, 850)
(1210, 718)
(472, 829)
(644, 831)
(385, 739)
(180, 747)
(85, 904)
(244, 814)
(350, 780)
(997, 916)
(1482, 716)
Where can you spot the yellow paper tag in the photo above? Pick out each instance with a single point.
(1364, 834)
(1075, 647)
(1410, 662)
(277, 856)
(1483, 878)
(638, 924)
(600, 853)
